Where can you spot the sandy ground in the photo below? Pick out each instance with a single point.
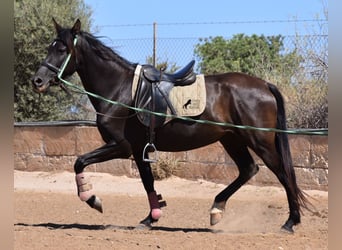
(49, 215)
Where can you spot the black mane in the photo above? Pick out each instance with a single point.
(103, 51)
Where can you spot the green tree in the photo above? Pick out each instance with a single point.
(33, 31)
(266, 57)
(262, 56)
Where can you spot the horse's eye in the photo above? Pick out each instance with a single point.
(62, 49)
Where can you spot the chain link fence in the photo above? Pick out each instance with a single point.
(306, 98)
(313, 49)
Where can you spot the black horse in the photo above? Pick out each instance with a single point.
(234, 98)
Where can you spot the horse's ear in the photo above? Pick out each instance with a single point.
(76, 28)
(57, 26)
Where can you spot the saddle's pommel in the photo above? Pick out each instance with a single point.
(183, 77)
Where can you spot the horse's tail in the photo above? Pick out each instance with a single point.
(283, 148)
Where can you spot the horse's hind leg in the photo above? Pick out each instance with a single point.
(272, 159)
(247, 169)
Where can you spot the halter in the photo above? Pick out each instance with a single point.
(59, 71)
(65, 83)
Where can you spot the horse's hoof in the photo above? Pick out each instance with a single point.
(143, 226)
(215, 216)
(147, 222)
(287, 229)
(95, 203)
(98, 205)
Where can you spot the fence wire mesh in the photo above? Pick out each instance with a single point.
(179, 51)
(306, 98)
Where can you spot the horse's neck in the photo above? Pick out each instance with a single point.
(109, 79)
(100, 75)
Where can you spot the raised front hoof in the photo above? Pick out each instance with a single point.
(288, 227)
(215, 216)
(95, 202)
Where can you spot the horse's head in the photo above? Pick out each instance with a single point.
(60, 48)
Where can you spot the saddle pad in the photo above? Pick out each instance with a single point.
(187, 100)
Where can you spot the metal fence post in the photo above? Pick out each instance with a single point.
(154, 56)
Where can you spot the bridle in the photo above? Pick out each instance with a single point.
(50, 67)
(59, 72)
(53, 68)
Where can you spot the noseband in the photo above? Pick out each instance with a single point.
(51, 67)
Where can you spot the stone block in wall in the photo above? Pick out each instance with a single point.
(300, 150)
(56, 148)
(19, 161)
(117, 167)
(172, 156)
(87, 139)
(211, 153)
(30, 162)
(312, 178)
(307, 178)
(36, 163)
(59, 140)
(220, 173)
(187, 170)
(28, 140)
(264, 177)
(60, 163)
(319, 152)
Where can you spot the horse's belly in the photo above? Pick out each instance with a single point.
(182, 138)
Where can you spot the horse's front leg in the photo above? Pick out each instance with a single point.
(155, 200)
(107, 152)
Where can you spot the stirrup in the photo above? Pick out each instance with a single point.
(150, 148)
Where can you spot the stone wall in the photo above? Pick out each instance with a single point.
(39, 147)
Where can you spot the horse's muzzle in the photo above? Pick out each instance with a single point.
(39, 85)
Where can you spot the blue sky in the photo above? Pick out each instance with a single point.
(133, 20)
(109, 12)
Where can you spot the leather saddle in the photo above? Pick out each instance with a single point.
(183, 77)
(153, 92)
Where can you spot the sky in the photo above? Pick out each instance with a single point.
(198, 19)
(133, 12)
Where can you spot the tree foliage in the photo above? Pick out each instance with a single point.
(33, 31)
(261, 56)
(266, 57)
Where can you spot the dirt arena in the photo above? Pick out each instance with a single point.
(49, 215)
